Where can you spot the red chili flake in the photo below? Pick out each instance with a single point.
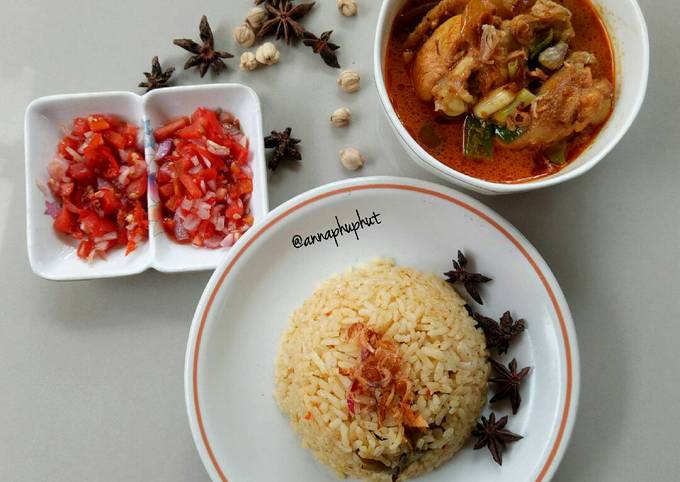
(308, 415)
(350, 405)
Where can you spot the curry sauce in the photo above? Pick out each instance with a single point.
(442, 137)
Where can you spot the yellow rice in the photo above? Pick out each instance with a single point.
(437, 339)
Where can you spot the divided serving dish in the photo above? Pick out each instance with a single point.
(53, 256)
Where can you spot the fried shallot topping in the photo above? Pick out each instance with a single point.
(379, 381)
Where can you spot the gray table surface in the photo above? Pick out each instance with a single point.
(91, 372)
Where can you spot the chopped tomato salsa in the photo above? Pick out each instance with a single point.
(204, 178)
(98, 179)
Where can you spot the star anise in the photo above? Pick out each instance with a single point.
(285, 147)
(323, 46)
(469, 280)
(283, 21)
(508, 383)
(498, 335)
(156, 78)
(492, 434)
(205, 55)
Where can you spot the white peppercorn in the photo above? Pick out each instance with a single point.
(244, 35)
(341, 117)
(349, 81)
(248, 61)
(348, 8)
(351, 159)
(267, 54)
(256, 17)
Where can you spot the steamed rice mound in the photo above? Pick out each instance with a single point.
(444, 355)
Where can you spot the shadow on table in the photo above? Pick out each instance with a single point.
(558, 218)
(169, 297)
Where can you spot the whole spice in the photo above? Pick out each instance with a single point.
(244, 35)
(492, 434)
(156, 78)
(256, 17)
(205, 56)
(248, 61)
(267, 54)
(283, 19)
(469, 280)
(498, 335)
(341, 117)
(351, 159)
(349, 81)
(323, 46)
(285, 147)
(348, 7)
(508, 383)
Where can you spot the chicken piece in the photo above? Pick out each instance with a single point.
(490, 42)
(443, 11)
(486, 78)
(515, 7)
(567, 103)
(446, 9)
(476, 15)
(447, 60)
(437, 55)
(543, 16)
(468, 80)
(451, 95)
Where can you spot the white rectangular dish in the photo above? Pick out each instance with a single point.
(53, 256)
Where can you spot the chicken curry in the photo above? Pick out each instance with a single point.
(501, 90)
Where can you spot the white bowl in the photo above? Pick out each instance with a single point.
(53, 256)
(628, 31)
(229, 370)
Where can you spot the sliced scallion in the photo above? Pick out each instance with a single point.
(523, 99)
(506, 135)
(478, 138)
(541, 44)
(557, 153)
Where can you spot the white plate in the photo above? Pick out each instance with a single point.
(53, 256)
(229, 373)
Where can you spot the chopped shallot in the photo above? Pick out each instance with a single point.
(57, 168)
(75, 154)
(42, 186)
(217, 149)
(228, 240)
(163, 149)
(380, 382)
(52, 209)
(180, 232)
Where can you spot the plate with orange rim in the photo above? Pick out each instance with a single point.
(237, 427)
